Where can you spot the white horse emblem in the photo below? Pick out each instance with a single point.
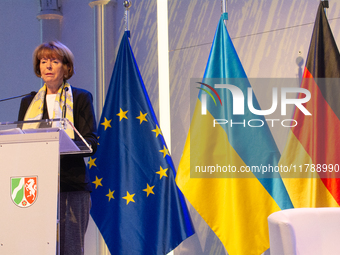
(31, 187)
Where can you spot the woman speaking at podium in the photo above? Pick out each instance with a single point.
(53, 62)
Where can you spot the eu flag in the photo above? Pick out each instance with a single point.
(136, 204)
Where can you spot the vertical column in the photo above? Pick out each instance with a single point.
(99, 46)
(99, 51)
(50, 20)
(163, 70)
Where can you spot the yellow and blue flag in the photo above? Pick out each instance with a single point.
(136, 203)
(219, 145)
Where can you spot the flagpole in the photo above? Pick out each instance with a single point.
(224, 6)
(325, 5)
(127, 4)
(224, 9)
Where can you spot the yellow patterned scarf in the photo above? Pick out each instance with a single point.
(36, 108)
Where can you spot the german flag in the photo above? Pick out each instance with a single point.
(313, 145)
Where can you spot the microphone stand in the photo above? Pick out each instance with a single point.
(64, 106)
(10, 98)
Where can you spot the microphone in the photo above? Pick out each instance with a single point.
(33, 93)
(64, 106)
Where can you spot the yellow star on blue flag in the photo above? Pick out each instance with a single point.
(164, 151)
(110, 195)
(91, 162)
(142, 117)
(129, 197)
(122, 114)
(98, 182)
(157, 130)
(148, 190)
(106, 123)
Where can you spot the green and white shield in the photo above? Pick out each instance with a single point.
(24, 190)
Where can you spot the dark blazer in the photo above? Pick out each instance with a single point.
(73, 172)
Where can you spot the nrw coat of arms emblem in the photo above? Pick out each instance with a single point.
(24, 190)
